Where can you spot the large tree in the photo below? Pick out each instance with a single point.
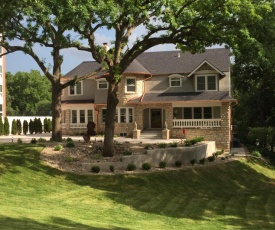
(26, 24)
(28, 94)
(191, 24)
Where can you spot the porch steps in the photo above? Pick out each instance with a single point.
(151, 134)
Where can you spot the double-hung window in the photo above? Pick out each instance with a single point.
(206, 82)
(82, 116)
(123, 115)
(197, 112)
(130, 85)
(76, 89)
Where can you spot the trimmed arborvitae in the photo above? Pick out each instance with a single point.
(6, 126)
(19, 127)
(25, 127)
(1, 127)
(35, 125)
(31, 126)
(39, 126)
(45, 123)
(14, 127)
(50, 125)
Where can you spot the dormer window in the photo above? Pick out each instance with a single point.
(206, 82)
(130, 85)
(102, 84)
(175, 80)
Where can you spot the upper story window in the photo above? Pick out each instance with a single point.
(175, 80)
(102, 84)
(206, 82)
(130, 85)
(76, 89)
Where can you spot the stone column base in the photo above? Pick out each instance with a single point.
(166, 134)
(136, 134)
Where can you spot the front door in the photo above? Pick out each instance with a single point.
(156, 118)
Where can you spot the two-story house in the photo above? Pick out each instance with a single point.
(185, 91)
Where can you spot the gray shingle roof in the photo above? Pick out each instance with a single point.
(187, 96)
(164, 62)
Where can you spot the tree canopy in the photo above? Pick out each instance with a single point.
(28, 94)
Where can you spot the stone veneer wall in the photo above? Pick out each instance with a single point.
(221, 135)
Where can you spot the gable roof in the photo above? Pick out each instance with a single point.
(208, 63)
(165, 63)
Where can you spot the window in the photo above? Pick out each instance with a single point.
(82, 116)
(75, 89)
(175, 81)
(130, 85)
(207, 82)
(102, 84)
(197, 112)
(123, 115)
(1, 91)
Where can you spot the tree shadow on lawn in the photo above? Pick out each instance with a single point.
(56, 223)
(232, 193)
(222, 192)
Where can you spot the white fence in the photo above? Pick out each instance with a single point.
(196, 123)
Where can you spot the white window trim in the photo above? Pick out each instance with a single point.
(78, 115)
(202, 109)
(173, 76)
(126, 85)
(100, 81)
(127, 114)
(69, 93)
(205, 81)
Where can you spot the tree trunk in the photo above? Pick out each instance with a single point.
(110, 119)
(56, 112)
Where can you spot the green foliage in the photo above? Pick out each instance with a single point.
(41, 140)
(178, 163)
(174, 144)
(256, 153)
(95, 169)
(19, 141)
(193, 161)
(112, 168)
(70, 144)
(193, 141)
(28, 94)
(6, 126)
(146, 166)
(148, 146)
(98, 156)
(131, 167)
(58, 147)
(31, 126)
(162, 164)
(211, 158)
(220, 152)
(14, 127)
(25, 127)
(69, 140)
(162, 145)
(19, 127)
(33, 141)
(1, 127)
(127, 153)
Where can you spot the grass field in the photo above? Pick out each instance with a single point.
(236, 195)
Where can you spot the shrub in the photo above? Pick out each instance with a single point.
(31, 126)
(256, 153)
(131, 167)
(162, 145)
(148, 146)
(112, 168)
(211, 158)
(69, 159)
(70, 144)
(127, 153)
(1, 127)
(223, 158)
(188, 143)
(69, 139)
(146, 166)
(193, 161)
(178, 163)
(19, 141)
(19, 127)
(174, 144)
(58, 147)
(42, 140)
(217, 153)
(193, 141)
(162, 164)
(6, 126)
(33, 141)
(95, 169)
(25, 127)
(202, 161)
(98, 156)
(14, 127)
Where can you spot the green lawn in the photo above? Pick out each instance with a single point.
(236, 195)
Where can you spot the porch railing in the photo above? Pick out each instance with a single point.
(78, 125)
(196, 123)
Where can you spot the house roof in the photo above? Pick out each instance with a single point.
(164, 63)
(183, 96)
(78, 102)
